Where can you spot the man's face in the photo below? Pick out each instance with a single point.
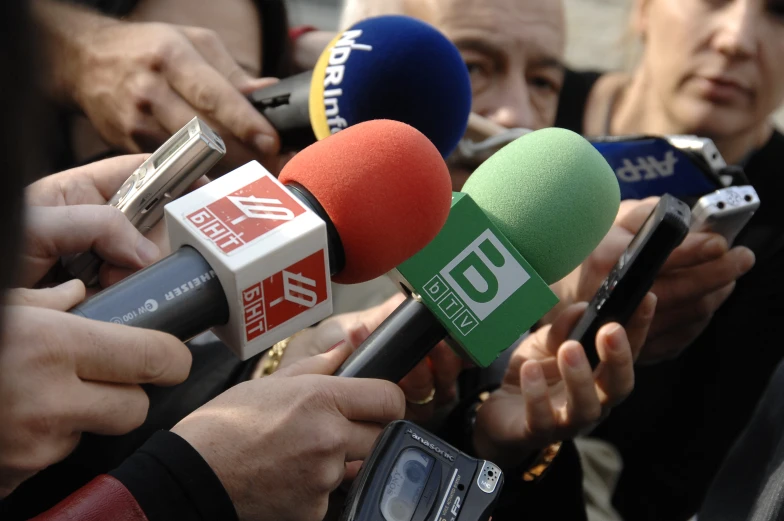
(513, 50)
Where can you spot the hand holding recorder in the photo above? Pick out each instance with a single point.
(550, 391)
(695, 280)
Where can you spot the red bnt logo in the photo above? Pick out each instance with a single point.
(285, 295)
(245, 215)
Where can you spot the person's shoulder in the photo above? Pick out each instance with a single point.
(573, 99)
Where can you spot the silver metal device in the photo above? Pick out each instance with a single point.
(164, 176)
(725, 211)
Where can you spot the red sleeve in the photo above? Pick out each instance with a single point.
(102, 499)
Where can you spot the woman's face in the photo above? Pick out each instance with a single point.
(715, 66)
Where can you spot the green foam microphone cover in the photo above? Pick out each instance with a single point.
(552, 194)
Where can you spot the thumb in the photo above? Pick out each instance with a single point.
(60, 298)
(325, 363)
(251, 84)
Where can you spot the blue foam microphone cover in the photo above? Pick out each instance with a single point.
(386, 67)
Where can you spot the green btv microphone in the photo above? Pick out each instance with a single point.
(525, 218)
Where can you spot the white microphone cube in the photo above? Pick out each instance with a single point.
(268, 250)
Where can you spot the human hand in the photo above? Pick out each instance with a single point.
(52, 232)
(92, 184)
(695, 281)
(549, 391)
(281, 444)
(61, 375)
(139, 83)
(433, 380)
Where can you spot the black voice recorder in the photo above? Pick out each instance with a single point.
(412, 475)
(633, 275)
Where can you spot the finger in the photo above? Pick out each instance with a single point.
(632, 214)
(639, 324)
(359, 438)
(689, 312)
(445, 368)
(109, 275)
(173, 112)
(696, 249)
(352, 471)
(688, 284)
(540, 418)
(563, 325)
(615, 375)
(58, 231)
(359, 325)
(110, 409)
(107, 352)
(582, 404)
(108, 176)
(367, 400)
(95, 183)
(670, 345)
(256, 84)
(212, 49)
(60, 298)
(217, 99)
(418, 384)
(325, 363)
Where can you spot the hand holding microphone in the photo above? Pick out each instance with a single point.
(253, 253)
(61, 375)
(280, 444)
(431, 384)
(526, 217)
(386, 67)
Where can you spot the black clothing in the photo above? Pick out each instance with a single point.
(574, 98)
(750, 484)
(214, 369)
(683, 416)
(170, 480)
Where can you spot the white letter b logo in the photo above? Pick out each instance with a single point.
(484, 274)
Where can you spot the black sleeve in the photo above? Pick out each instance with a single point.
(576, 88)
(170, 480)
(749, 484)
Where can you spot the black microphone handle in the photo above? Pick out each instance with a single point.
(286, 105)
(179, 294)
(397, 345)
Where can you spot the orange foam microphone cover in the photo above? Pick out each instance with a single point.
(385, 188)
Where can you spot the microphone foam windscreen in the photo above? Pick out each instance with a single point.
(384, 186)
(552, 194)
(392, 67)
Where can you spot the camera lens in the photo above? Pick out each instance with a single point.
(399, 510)
(415, 471)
